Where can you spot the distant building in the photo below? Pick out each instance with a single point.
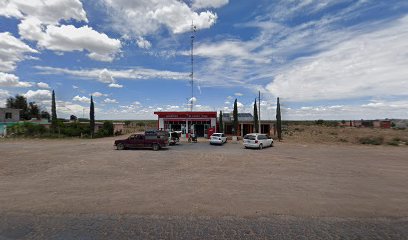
(8, 117)
(187, 122)
(366, 123)
(245, 124)
(382, 124)
(201, 122)
(400, 123)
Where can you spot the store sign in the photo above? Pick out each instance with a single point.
(186, 116)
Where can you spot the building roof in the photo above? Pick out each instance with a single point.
(242, 117)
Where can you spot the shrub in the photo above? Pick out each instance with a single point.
(319, 122)
(372, 140)
(106, 130)
(28, 129)
(74, 129)
(393, 143)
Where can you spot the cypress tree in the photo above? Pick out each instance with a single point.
(221, 123)
(92, 117)
(54, 119)
(278, 121)
(256, 124)
(235, 115)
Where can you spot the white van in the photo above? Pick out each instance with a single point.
(257, 140)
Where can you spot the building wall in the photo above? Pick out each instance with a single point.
(15, 115)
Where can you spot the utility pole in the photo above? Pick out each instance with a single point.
(259, 112)
(193, 30)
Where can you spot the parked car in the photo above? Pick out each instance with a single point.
(150, 139)
(218, 138)
(257, 140)
(174, 138)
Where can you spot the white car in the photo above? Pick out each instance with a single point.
(257, 140)
(218, 138)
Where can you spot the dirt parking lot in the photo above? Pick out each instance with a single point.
(90, 177)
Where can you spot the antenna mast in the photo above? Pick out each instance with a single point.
(193, 30)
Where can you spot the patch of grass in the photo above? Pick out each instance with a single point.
(371, 140)
(394, 143)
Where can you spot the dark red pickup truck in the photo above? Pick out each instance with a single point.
(150, 139)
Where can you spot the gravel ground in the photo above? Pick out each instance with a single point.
(156, 227)
(84, 189)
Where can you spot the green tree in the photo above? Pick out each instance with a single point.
(235, 115)
(27, 110)
(19, 102)
(278, 120)
(92, 117)
(54, 118)
(108, 127)
(45, 115)
(221, 123)
(34, 110)
(256, 124)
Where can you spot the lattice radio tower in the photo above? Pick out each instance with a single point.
(193, 30)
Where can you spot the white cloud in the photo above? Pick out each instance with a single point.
(38, 95)
(67, 38)
(11, 80)
(12, 50)
(81, 99)
(40, 22)
(240, 105)
(108, 100)
(108, 76)
(99, 94)
(144, 18)
(4, 94)
(47, 11)
(105, 76)
(197, 4)
(238, 94)
(143, 43)
(115, 85)
(379, 109)
(192, 100)
(43, 85)
(368, 64)
(75, 87)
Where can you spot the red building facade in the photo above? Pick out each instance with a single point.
(187, 122)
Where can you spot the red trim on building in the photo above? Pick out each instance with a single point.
(189, 115)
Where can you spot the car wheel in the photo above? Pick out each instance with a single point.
(120, 146)
(156, 147)
(260, 146)
(271, 144)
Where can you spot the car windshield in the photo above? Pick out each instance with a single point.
(216, 135)
(250, 137)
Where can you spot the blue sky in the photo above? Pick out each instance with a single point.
(326, 59)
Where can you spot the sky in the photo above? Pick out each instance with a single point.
(324, 59)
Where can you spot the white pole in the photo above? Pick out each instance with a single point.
(259, 113)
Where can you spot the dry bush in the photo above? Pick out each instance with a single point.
(344, 135)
